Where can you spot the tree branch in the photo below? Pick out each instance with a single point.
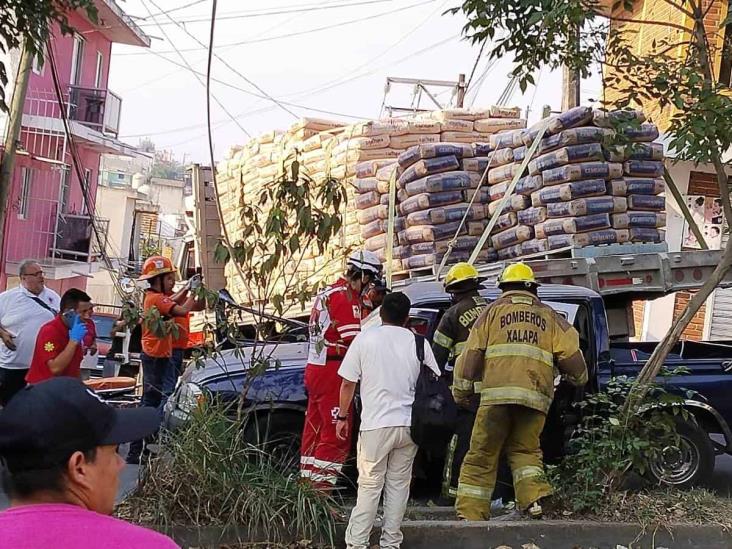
(645, 22)
(679, 8)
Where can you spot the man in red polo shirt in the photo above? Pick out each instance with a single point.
(58, 350)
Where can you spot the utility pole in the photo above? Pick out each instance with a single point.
(460, 91)
(570, 88)
(13, 133)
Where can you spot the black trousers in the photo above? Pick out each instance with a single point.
(12, 380)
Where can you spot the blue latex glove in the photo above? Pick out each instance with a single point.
(78, 330)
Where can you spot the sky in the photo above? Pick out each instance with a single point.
(327, 59)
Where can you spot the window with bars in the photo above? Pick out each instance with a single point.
(26, 180)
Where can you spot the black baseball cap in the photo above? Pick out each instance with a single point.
(45, 423)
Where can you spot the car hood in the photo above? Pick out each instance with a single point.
(236, 361)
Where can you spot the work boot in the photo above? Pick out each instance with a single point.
(535, 511)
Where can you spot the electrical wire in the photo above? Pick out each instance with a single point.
(235, 71)
(179, 8)
(242, 128)
(475, 65)
(288, 35)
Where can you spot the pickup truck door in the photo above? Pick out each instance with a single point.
(423, 322)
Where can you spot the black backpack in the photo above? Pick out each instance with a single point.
(434, 412)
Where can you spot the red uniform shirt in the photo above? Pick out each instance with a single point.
(334, 321)
(184, 328)
(52, 339)
(153, 345)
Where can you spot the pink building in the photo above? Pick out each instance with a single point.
(50, 214)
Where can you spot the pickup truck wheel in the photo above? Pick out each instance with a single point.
(278, 434)
(689, 464)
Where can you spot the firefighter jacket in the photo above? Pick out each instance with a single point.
(454, 328)
(513, 349)
(334, 321)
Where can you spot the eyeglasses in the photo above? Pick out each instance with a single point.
(37, 273)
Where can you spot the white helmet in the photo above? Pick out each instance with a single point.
(365, 261)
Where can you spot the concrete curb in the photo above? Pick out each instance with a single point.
(545, 534)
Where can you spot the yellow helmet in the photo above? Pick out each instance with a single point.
(517, 272)
(460, 272)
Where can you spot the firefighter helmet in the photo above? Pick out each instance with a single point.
(156, 265)
(365, 261)
(517, 273)
(458, 273)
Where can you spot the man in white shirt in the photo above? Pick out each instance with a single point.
(23, 310)
(384, 359)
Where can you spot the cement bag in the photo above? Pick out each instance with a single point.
(367, 185)
(588, 206)
(567, 155)
(632, 219)
(356, 156)
(519, 153)
(447, 214)
(383, 187)
(456, 125)
(425, 126)
(430, 150)
(534, 246)
(593, 238)
(430, 260)
(584, 170)
(496, 192)
(318, 141)
(402, 196)
(643, 168)
(505, 221)
(373, 228)
(454, 114)
(505, 139)
(514, 235)
(505, 112)
(568, 191)
(413, 139)
(481, 149)
(646, 202)
(378, 242)
(372, 214)
(573, 225)
(430, 233)
(375, 142)
(448, 181)
(385, 173)
(371, 167)
(504, 173)
(510, 252)
(516, 203)
(429, 166)
(376, 127)
(647, 235)
(610, 119)
(461, 244)
(574, 136)
(496, 159)
(384, 199)
(397, 252)
(482, 198)
(643, 133)
(429, 200)
(531, 216)
(644, 151)
(318, 124)
(529, 184)
(635, 185)
(463, 137)
(577, 116)
(493, 125)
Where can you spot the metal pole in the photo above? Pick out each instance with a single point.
(693, 227)
(12, 138)
(461, 88)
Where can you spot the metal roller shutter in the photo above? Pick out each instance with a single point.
(721, 326)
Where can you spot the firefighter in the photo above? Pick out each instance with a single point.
(462, 283)
(512, 350)
(334, 322)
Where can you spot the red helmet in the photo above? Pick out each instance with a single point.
(156, 265)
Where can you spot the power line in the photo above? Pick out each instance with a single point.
(171, 10)
(235, 71)
(242, 128)
(288, 35)
(475, 65)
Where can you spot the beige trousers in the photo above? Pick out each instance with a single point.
(384, 458)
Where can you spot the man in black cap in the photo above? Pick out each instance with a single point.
(58, 444)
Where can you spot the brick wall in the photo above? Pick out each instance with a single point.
(695, 330)
(704, 184)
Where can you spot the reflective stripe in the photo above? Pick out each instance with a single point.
(307, 460)
(478, 386)
(520, 349)
(452, 491)
(462, 384)
(327, 465)
(442, 340)
(523, 473)
(521, 299)
(459, 348)
(315, 477)
(352, 333)
(516, 395)
(474, 492)
(348, 327)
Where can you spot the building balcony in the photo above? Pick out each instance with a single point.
(97, 108)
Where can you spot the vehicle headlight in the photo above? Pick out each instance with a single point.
(190, 397)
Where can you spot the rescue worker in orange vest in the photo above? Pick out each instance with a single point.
(512, 350)
(462, 283)
(159, 310)
(334, 322)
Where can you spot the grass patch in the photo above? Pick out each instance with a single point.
(210, 476)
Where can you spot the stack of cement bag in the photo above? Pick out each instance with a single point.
(577, 192)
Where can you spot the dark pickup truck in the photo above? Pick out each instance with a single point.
(278, 396)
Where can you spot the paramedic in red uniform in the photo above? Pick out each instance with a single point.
(334, 322)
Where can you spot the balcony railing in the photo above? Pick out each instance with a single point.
(97, 108)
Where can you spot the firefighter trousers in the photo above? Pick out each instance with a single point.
(515, 430)
(322, 453)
